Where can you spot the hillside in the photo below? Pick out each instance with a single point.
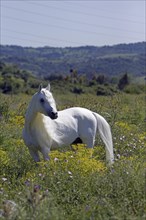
(108, 60)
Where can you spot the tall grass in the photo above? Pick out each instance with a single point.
(72, 185)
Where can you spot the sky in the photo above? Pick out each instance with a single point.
(40, 23)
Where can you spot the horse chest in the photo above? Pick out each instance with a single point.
(39, 135)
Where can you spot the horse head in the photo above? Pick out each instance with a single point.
(46, 103)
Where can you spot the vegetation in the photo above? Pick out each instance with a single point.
(14, 80)
(88, 60)
(123, 82)
(74, 185)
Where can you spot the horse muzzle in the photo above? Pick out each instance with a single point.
(54, 115)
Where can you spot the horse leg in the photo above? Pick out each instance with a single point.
(45, 151)
(89, 142)
(34, 155)
(88, 137)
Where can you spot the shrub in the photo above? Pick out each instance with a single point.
(124, 81)
(135, 89)
(77, 90)
(105, 90)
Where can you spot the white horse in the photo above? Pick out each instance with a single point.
(45, 128)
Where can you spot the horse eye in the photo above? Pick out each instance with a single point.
(42, 100)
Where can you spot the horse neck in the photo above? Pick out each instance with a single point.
(31, 113)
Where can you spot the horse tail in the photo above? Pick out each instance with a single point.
(105, 134)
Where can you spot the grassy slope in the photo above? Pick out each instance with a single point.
(72, 185)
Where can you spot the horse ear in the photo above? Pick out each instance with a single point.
(48, 87)
(40, 87)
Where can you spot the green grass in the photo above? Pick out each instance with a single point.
(72, 185)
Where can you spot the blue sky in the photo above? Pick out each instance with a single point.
(72, 23)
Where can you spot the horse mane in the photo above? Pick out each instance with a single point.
(30, 110)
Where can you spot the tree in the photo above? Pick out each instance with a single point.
(100, 79)
(124, 81)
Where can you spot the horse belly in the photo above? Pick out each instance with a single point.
(66, 138)
(66, 131)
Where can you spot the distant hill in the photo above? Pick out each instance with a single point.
(89, 60)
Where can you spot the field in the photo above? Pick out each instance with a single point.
(73, 185)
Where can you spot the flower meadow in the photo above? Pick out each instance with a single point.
(75, 184)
